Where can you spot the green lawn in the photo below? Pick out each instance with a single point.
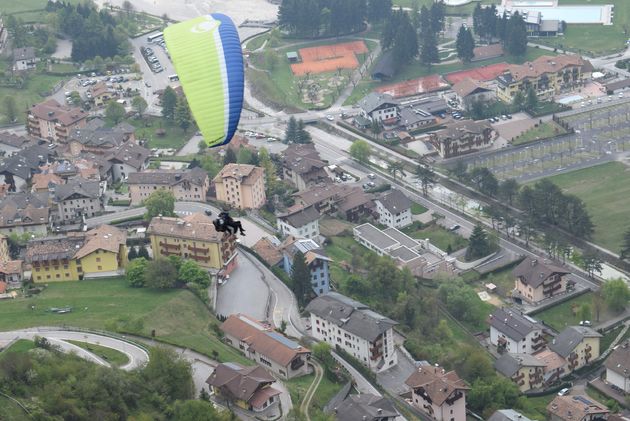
(543, 131)
(503, 279)
(606, 191)
(21, 345)
(173, 136)
(112, 356)
(608, 338)
(177, 316)
(561, 315)
(326, 390)
(537, 407)
(438, 236)
(594, 40)
(417, 209)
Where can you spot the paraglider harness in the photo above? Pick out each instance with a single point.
(225, 223)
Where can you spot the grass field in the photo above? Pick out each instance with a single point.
(438, 236)
(417, 209)
(112, 356)
(326, 390)
(543, 131)
(177, 316)
(606, 191)
(561, 315)
(21, 345)
(537, 407)
(594, 40)
(173, 137)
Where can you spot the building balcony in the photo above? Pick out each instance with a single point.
(552, 290)
(169, 246)
(538, 338)
(198, 249)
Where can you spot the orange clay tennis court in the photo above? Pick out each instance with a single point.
(329, 58)
(481, 73)
(423, 85)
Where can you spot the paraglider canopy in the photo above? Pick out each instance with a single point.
(206, 52)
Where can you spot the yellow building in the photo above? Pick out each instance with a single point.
(241, 185)
(548, 75)
(525, 370)
(100, 252)
(578, 345)
(193, 237)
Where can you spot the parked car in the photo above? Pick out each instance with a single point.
(371, 176)
(455, 227)
(563, 391)
(329, 117)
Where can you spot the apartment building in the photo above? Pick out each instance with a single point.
(53, 121)
(538, 279)
(303, 222)
(438, 393)
(186, 185)
(394, 209)
(78, 199)
(513, 332)
(241, 185)
(462, 137)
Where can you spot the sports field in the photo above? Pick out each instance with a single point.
(606, 191)
(329, 58)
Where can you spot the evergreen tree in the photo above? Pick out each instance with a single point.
(426, 176)
(531, 100)
(378, 10)
(437, 13)
(508, 190)
(133, 254)
(143, 252)
(183, 117)
(428, 43)
(271, 178)
(405, 46)
(516, 35)
(518, 100)
(10, 108)
(301, 278)
(290, 135)
(229, 157)
(465, 45)
(301, 135)
(169, 102)
(478, 244)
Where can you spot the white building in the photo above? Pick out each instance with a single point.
(394, 209)
(618, 367)
(302, 224)
(24, 59)
(361, 332)
(515, 333)
(378, 107)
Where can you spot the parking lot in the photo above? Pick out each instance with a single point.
(119, 81)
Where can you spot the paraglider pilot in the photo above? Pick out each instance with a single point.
(225, 223)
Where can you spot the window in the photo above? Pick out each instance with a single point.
(100, 267)
(98, 259)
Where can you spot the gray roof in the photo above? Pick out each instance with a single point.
(404, 253)
(395, 202)
(301, 217)
(24, 53)
(385, 66)
(131, 154)
(401, 237)
(374, 101)
(103, 137)
(549, 25)
(79, 187)
(366, 407)
(534, 271)
(513, 324)
(409, 116)
(569, 338)
(458, 129)
(509, 364)
(507, 415)
(619, 360)
(432, 105)
(26, 162)
(196, 176)
(350, 315)
(14, 140)
(375, 236)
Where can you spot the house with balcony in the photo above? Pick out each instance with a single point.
(242, 186)
(578, 345)
(352, 326)
(77, 200)
(303, 167)
(547, 75)
(300, 222)
(618, 367)
(193, 237)
(249, 388)
(538, 279)
(270, 349)
(378, 107)
(576, 408)
(125, 159)
(101, 94)
(470, 91)
(189, 185)
(344, 201)
(24, 213)
(98, 140)
(463, 137)
(438, 393)
(525, 370)
(317, 261)
(365, 407)
(53, 121)
(100, 252)
(394, 209)
(513, 332)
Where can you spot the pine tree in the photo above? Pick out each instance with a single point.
(428, 43)
(478, 244)
(229, 157)
(531, 101)
(182, 114)
(143, 252)
(465, 45)
(516, 35)
(301, 278)
(133, 254)
(437, 12)
(301, 135)
(291, 133)
(169, 102)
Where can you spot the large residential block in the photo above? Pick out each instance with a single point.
(352, 326)
(186, 185)
(547, 75)
(97, 253)
(262, 344)
(303, 167)
(53, 121)
(77, 200)
(513, 332)
(394, 209)
(438, 393)
(193, 237)
(241, 185)
(618, 367)
(578, 345)
(537, 280)
(525, 370)
(462, 137)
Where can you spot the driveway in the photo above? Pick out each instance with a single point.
(245, 292)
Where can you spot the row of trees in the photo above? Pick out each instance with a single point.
(164, 273)
(59, 386)
(176, 110)
(511, 30)
(296, 132)
(23, 35)
(314, 18)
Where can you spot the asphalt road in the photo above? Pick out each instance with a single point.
(245, 292)
(136, 355)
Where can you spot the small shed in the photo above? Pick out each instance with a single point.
(293, 57)
(490, 287)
